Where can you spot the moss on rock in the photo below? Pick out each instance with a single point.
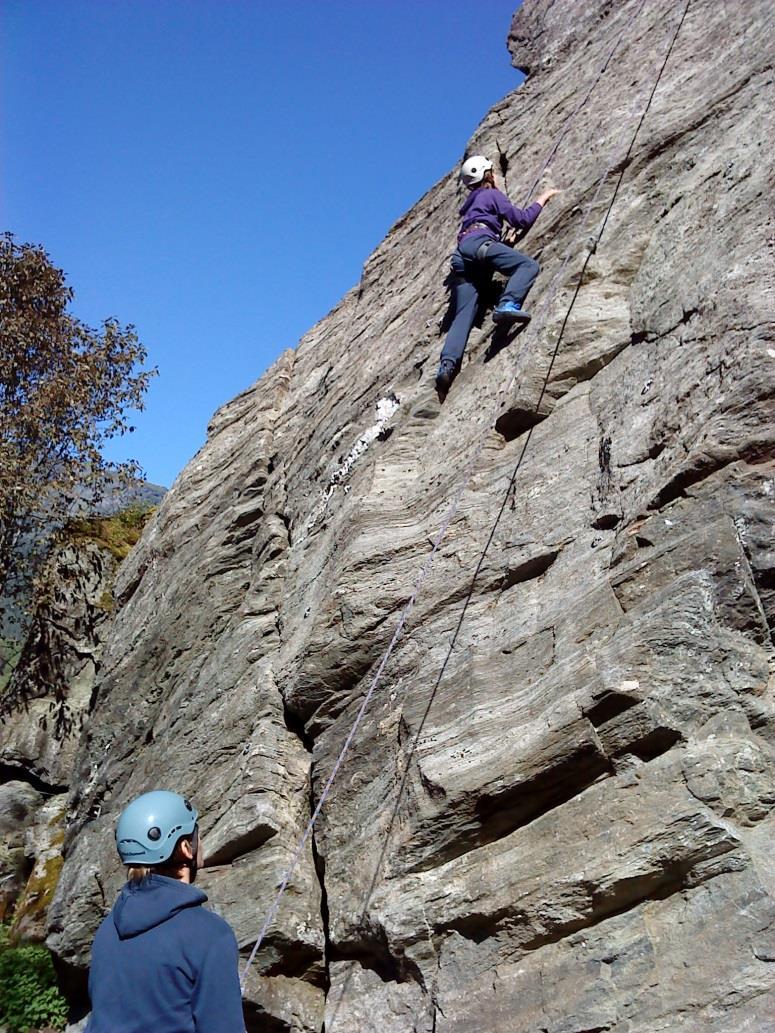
(33, 904)
(117, 533)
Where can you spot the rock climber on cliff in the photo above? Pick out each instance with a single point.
(160, 961)
(479, 252)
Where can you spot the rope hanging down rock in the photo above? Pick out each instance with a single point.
(455, 503)
(628, 22)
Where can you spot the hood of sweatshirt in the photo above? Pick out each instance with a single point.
(151, 902)
(477, 194)
(469, 200)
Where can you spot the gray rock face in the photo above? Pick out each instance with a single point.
(40, 726)
(43, 839)
(51, 687)
(566, 822)
(18, 805)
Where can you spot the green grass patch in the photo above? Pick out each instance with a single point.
(117, 533)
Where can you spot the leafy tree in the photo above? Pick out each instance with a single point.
(29, 996)
(65, 389)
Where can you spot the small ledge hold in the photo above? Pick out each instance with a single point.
(609, 706)
(529, 570)
(606, 521)
(513, 422)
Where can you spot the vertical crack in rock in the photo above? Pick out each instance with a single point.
(295, 725)
(760, 579)
(320, 869)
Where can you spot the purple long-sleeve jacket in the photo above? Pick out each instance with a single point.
(490, 207)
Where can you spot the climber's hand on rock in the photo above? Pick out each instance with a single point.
(547, 195)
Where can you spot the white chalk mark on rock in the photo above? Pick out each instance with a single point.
(385, 410)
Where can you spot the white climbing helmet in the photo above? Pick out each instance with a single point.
(474, 168)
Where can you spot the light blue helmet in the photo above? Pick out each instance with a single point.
(149, 828)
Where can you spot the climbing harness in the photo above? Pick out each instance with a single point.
(471, 466)
(475, 226)
(484, 247)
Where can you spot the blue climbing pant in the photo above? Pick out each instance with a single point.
(471, 274)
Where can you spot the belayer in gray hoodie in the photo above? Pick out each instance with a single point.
(160, 961)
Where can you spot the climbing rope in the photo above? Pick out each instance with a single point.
(455, 503)
(628, 21)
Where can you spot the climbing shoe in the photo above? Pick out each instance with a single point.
(445, 376)
(510, 312)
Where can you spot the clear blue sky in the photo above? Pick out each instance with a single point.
(217, 171)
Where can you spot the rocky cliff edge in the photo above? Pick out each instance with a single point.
(567, 823)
